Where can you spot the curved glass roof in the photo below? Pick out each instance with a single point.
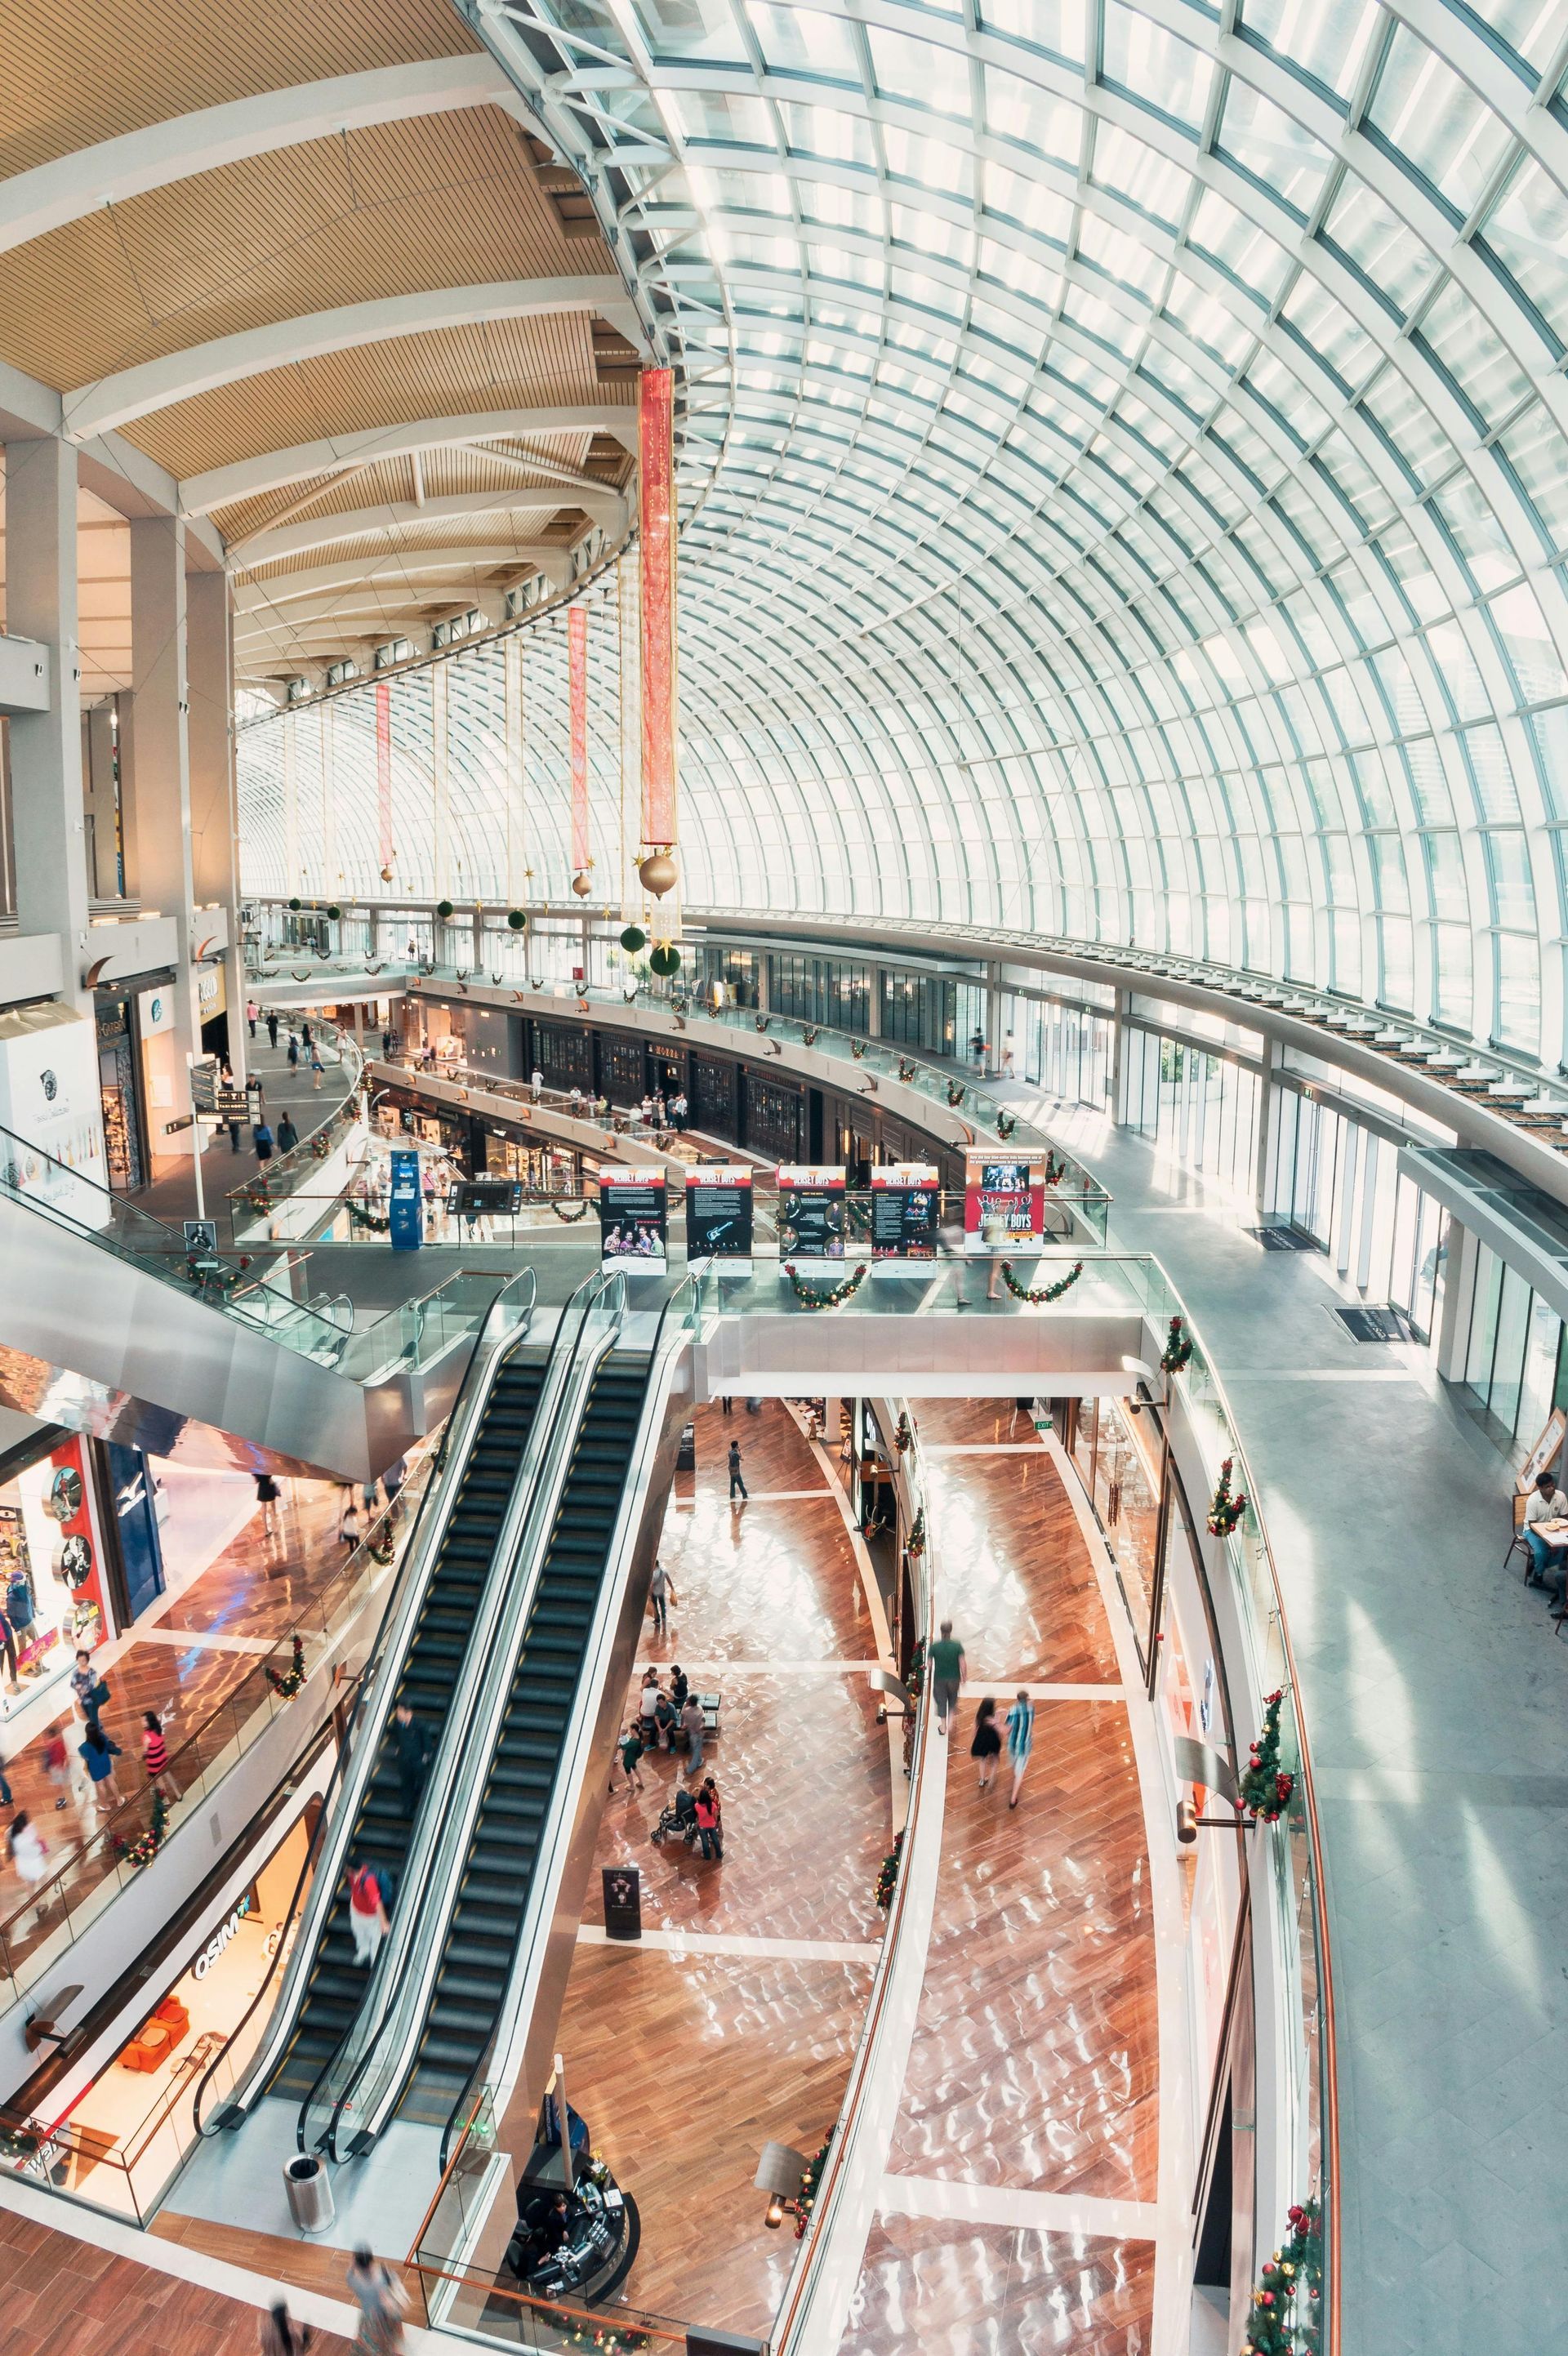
(1125, 465)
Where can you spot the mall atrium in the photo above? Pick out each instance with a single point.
(784, 1177)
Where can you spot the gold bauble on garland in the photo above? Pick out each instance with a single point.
(658, 872)
(582, 884)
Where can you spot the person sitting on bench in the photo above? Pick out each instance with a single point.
(1547, 1503)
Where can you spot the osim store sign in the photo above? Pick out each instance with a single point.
(219, 1941)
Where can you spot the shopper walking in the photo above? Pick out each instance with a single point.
(1020, 1740)
(414, 1747)
(282, 2336)
(727, 1406)
(293, 1052)
(269, 1497)
(947, 1671)
(316, 1067)
(99, 1755)
(29, 1854)
(272, 1031)
(631, 1758)
(262, 1139)
(711, 1822)
(250, 1015)
(987, 1745)
(155, 1755)
(57, 1767)
(659, 1595)
(737, 1478)
(288, 1136)
(84, 1684)
(382, 2301)
(367, 1912)
(692, 1726)
(348, 1522)
(536, 1084)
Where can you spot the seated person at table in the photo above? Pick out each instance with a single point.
(1547, 1503)
(664, 1720)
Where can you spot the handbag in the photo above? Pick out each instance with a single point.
(99, 1694)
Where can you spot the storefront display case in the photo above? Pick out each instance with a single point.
(54, 1592)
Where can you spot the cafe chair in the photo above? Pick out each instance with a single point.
(1516, 1544)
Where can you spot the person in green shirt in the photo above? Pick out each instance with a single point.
(948, 1669)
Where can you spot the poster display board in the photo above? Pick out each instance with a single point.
(633, 1220)
(1003, 1201)
(810, 1213)
(405, 1203)
(52, 1112)
(718, 1216)
(906, 1201)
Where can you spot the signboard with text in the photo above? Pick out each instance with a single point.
(1003, 1201)
(405, 1203)
(718, 1214)
(811, 1212)
(905, 1201)
(633, 1230)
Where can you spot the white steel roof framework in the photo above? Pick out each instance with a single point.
(1124, 464)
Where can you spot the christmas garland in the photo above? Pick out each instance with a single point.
(142, 1852)
(1045, 1291)
(905, 1068)
(1284, 2319)
(917, 1676)
(293, 1678)
(860, 1216)
(320, 1145)
(1266, 1786)
(810, 1297)
(857, 1049)
(904, 1432)
(914, 1543)
(1056, 1169)
(809, 1036)
(955, 1092)
(1178, 1351)
(222, 1280)
(375, 1223)
(810, 2177)
(888, 1880)
(570, 1218)
(1006, 1123)
(1226, 1507)
(255, 1197)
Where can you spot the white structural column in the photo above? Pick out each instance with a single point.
(155, 755)
(440, 814)
(214, 804)
(99, 801)
(49, 825)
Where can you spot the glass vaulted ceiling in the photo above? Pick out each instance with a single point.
(1125, 465)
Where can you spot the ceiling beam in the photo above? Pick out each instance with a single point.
(408, 571)
(603, 504)
(114, 170)
(132, 392)
(272, 470)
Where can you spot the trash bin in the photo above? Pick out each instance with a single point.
(309, 2190)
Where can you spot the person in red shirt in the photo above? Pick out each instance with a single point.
(710, 1821)
(367, 1912)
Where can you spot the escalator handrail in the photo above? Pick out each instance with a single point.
(462, 1408)
(529, 1912)
(446, 1783)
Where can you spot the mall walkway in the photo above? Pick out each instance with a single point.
(1434, 1690)
(736, 2018)
(1019, 2204)
(171, 1194)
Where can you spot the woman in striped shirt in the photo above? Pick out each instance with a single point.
(155, 1755)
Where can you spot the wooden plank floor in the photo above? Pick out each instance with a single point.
(1033, 2068)
(976, 1423)
(684, 2062)
(60, 2297)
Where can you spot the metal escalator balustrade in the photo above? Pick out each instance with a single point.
(428, 1680)
(479, 1950)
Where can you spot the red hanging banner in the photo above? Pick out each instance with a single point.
(577, 648)
(656, 451)
(383, 772)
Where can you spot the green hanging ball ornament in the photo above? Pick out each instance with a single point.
(516, 920)
(334, 912)
(295, 904)
(633, 940)
(664, 962)
(444, 909)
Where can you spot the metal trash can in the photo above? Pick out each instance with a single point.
(310, 2189)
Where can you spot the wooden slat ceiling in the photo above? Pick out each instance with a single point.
(440, 200)
(78, 72)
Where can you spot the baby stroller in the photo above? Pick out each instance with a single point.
(680, 1817)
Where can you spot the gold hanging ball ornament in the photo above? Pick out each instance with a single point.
(581, 885)
(658, 872)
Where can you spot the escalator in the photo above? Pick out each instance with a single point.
(427, 1681)
(479, 1952)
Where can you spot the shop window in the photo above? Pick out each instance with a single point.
(52, 1590)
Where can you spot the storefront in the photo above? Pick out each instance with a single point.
(54, 1588)
(119, 1088)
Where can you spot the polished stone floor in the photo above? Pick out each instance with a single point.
(1018, 2211)
(1436, 1705)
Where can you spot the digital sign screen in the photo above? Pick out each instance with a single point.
(718, 1212)
(810, 1213)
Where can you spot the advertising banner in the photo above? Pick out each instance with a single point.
(656, 496)
(718, 1216)
(405, 1203)
(50, 1104)
(136, 1508)
(810, 1213)
(1003, 1201)
(905, 1203)
(633, 1231)
(578, 687)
